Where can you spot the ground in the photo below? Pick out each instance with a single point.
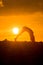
(27, 53)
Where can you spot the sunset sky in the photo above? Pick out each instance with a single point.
(19, 13)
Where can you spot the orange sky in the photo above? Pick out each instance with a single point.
(33, 21)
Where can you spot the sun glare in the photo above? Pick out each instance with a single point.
(15, 30)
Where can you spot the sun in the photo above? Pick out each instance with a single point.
(15, 30)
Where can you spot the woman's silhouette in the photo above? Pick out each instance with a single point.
(30, 32)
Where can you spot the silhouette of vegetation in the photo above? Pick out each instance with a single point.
(30, 53)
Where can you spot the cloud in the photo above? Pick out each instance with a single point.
(1, 3)
(22, 6)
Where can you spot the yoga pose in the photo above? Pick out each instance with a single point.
(30, 32)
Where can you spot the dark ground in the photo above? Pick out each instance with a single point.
(21, 53)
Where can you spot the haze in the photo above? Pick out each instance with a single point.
(21, 13)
